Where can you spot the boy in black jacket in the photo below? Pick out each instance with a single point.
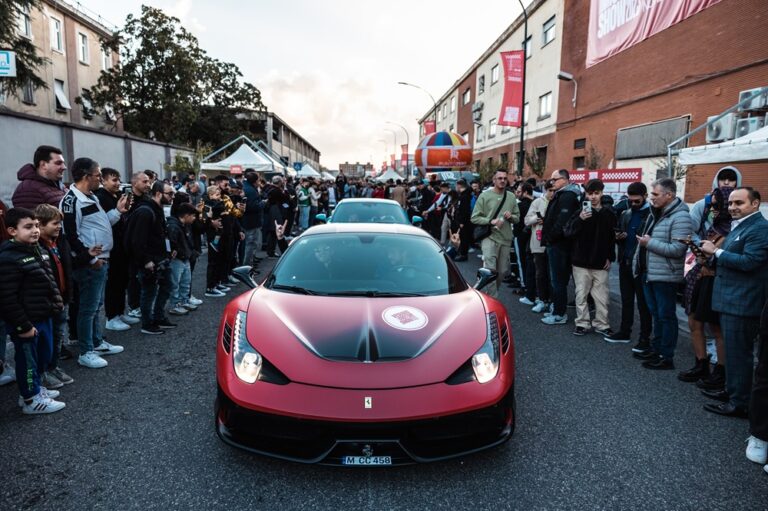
(181, 253)
(29, 297)
(59, 257)
(592, 251)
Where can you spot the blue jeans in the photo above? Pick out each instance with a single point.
(303, 217)
(559, 259)
(181, 280)
(155, 291)
(90, 283)
(661, 300)
(60, 320)
(32, 355)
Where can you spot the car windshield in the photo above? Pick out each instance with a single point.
(365, 264)
(369, 212)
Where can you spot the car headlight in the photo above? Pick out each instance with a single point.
(485, 363)
(247, 361)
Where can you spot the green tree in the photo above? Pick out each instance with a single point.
(28, 61)
(166, 85)
(594, 158)
(536, 162)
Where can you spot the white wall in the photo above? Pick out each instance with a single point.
(108, 151)
(147, 156)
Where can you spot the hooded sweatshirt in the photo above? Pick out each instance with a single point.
(701, 216)
(35, 189)
(561, 208)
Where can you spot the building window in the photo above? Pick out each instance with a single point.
(528, 47)
(82, 48)
(438, 116)
(548, 34)
(477, 165)
(450, 128)
(25, 22)
(481, 84)
(106, 59)
(467, 96)
(480, 134)
(87, 105)
(57, 35)
(525, 114)
(578, 162)
(492, 128)
(465, 136)
(28, 93)
(494, 74)
(580, 143)
(545, 105)
(453, 104)
(62, 101)
(504, 160)
(445, 111)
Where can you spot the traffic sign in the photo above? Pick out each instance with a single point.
(297, 166)
(7, 63)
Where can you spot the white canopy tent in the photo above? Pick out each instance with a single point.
(328, 176)
(752, 147)
(246, 157)
(308, 170)
(389, 174)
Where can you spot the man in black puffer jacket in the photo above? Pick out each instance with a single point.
(146, 241)
(29, 297)
(559, 211)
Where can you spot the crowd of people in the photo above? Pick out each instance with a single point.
(132, 249)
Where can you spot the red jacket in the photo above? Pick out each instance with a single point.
(35, 190)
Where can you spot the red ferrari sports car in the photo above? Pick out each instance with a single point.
(365, 346)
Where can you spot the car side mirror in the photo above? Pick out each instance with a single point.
(416, 220)
(484, 277)
(243, 274)
(321, 217)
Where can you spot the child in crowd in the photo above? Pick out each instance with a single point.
(57, 253)
(29, 298)
(181, 249)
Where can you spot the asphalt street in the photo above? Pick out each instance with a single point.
(594, 431)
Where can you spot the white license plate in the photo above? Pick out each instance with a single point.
(367, 460)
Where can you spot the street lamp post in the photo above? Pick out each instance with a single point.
(394, 146)
(521, 157)
(407, 144)
(428, 94)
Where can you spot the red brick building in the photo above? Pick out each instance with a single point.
(682, 75)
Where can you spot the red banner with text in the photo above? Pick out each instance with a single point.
(404, 155)
(512, 104)
(429, 127)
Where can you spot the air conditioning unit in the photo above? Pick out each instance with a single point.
(756, 103)
(748, 125)
(477, 112)
(724, 129)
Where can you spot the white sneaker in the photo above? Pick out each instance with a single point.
(45, 393)
(135, 313)
(189, 306)
(108, 349)
(525, 301)
(41, 404)
(8, 375)
(757, 450)
(117, 325)
(539, 307)
(471, 250)
(194, 301)
(233, 280)
(92, 360)
(129, 320)
(555, 320)
(178, 310)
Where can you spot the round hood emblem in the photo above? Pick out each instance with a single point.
(402, 317)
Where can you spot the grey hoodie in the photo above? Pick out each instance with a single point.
(701, 220)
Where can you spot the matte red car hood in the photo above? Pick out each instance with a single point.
(358, 342)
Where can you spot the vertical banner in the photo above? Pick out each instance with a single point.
(429, 127)
(512, 104)
(392, 158)
(404, 156)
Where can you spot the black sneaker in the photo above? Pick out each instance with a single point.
(647, 355)
(152, 330)
(617, 337)
(605, 332)
(580, 330)
(165, 324)
(642, 346)
(659, 363)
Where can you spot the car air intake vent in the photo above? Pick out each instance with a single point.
(504, 337)
(227, 337)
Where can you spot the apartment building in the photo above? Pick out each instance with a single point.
(70, 38)
(288, 143)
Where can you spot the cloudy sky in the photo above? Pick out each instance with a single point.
(330, 68)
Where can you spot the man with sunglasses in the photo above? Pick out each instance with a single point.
(630, 286)
(41, 180)
(496, 247)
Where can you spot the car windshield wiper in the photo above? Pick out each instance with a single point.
(294, 289)
(373, 294)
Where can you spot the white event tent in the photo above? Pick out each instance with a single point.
(752, 147)
(308, 170)
(246, 157)
(389, 174)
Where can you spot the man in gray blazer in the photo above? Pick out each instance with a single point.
(740, 290)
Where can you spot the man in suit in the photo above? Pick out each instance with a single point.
(740, 290)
